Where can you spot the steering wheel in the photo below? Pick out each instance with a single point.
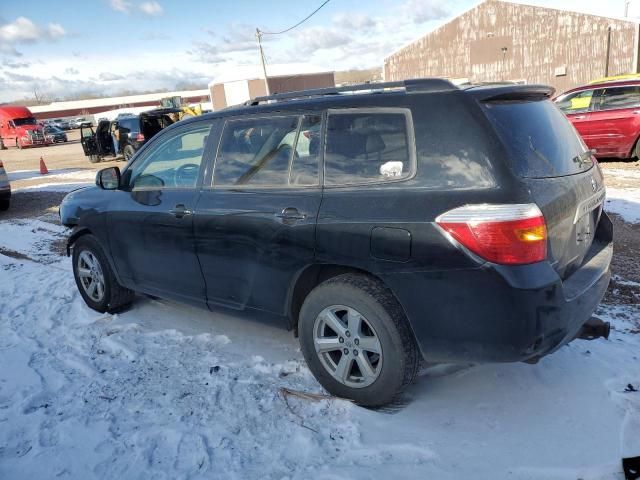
(186, 175)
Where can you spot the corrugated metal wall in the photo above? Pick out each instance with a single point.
(505, 41)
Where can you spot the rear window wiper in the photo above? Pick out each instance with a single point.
(582, 158)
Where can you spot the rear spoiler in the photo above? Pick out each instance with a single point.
(505, 93)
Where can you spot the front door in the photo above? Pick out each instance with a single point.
(151, 218)
(88, 141)
(255, 228)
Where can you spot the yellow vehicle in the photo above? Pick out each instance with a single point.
(176, 102)
(626, 76)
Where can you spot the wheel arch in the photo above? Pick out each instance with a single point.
(312, 276)
(79, 232)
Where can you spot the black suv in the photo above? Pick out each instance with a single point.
(132, 131)
(384, 224)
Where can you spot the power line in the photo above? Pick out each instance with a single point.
(297, 24)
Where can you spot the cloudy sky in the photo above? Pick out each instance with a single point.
(62, 48)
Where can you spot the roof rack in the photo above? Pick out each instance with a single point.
(410, 86)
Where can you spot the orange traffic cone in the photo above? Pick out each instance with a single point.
(43, 167)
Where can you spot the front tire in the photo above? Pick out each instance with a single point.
(94, 158)
(5, 203)
(357, 341)
(95, 279)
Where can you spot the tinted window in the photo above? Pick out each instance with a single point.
(172, 163)
(127, 125)
(575, 102)
(367, 147)
(620, 97)
(540, 140)
(304, 170)
(256, 152)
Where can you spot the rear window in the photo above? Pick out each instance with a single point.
(541, 142)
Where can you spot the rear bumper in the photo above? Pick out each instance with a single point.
(503, 314)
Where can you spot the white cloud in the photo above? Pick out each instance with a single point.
(153, 9)
(120, 5)
(313, 39)
(425, 10)
(357, 21)
(23, 30)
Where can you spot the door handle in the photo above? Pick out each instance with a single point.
(580, 117)
(636, 112)
(180, 211)
(291, 213)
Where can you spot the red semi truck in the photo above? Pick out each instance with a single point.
(19, 128)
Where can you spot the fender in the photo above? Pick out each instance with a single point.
(78, 232)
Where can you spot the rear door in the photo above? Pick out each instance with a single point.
(577, 107)
(562, 177)
(150, 219)
(615, 120)
(255, 227)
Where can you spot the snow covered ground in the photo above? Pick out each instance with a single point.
(165, 391)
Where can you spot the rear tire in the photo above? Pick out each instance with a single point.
(372, 378)
(18, 145)
(128, 152)
(636, 150)
(5, 204)
(94, 158)
(95, 279)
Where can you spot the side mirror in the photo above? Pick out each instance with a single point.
(108, 178)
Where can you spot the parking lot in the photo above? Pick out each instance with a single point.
(168, 388)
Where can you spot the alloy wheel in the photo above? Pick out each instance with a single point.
(91, 276)
(347, 345)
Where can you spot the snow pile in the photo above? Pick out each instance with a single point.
(166, 391)
(624, 200)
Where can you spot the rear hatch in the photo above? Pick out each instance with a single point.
(554, 164)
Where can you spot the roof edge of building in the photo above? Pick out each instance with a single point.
(512, 2)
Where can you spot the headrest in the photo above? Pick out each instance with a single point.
(374, 143)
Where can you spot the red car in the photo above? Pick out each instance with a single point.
(607, 116)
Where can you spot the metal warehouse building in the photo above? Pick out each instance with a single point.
(499, 41)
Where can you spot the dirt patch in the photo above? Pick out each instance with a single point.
(625, 266)
(33, 205)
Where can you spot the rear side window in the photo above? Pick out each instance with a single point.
(269, 152)
(577, 102)
(619, 97)
(541, 142)
(368, 146)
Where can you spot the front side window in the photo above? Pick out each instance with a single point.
(366, 147)
(269, 151)
(578, 102)
(174, 162)
(620, 97)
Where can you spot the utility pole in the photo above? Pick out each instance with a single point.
(606, 68)
(264, 65)
(626, 8)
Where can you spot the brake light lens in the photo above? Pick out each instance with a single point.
(503, 234)
(140, 137)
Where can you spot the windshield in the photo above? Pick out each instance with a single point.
(19, 122)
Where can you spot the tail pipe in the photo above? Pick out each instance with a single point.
(594, 328)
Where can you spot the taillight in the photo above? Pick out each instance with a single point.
(140, 137)
(504, 234)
